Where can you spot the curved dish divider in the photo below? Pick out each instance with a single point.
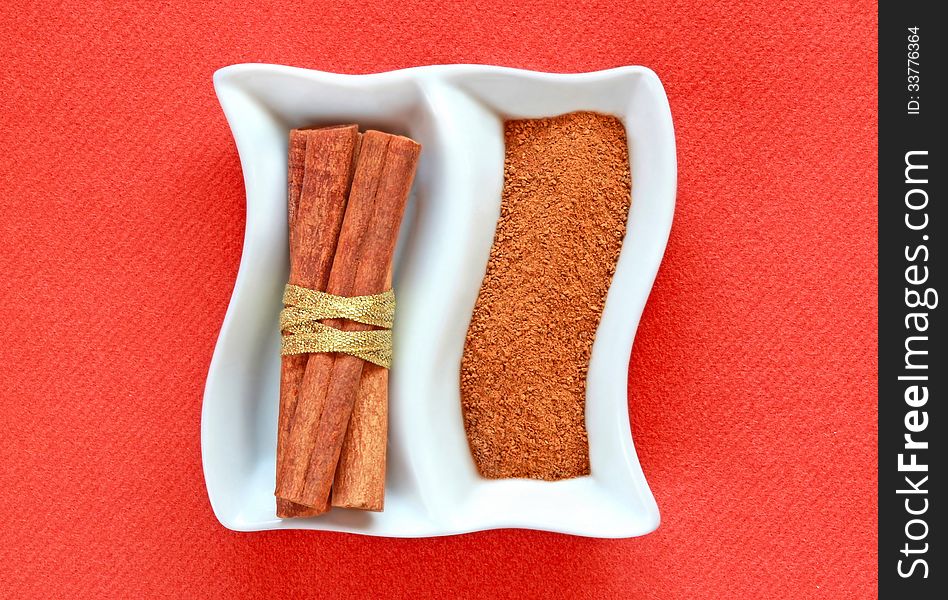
(456, 113)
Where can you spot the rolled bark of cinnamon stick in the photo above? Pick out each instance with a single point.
(321, 164)
(296, 170)
(360, 474)
(330, 384)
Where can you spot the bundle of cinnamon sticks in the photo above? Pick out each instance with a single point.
(346, 195)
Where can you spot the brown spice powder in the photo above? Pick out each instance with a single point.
(566, 196)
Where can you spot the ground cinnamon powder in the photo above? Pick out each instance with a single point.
(565, 204)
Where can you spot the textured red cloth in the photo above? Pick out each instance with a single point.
(752, 386)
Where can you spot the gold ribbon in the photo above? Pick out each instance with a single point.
(303, 332)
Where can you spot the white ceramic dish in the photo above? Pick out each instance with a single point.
(456, 113)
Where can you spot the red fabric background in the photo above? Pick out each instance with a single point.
(752, 386)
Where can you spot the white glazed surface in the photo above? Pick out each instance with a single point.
(456, 112)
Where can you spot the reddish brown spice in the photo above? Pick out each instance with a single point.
(363, 255)
(321, 163)
(566, 197)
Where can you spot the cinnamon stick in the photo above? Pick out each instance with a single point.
(296, 169)
(363, 257)
(360, 474)
(321, 163)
